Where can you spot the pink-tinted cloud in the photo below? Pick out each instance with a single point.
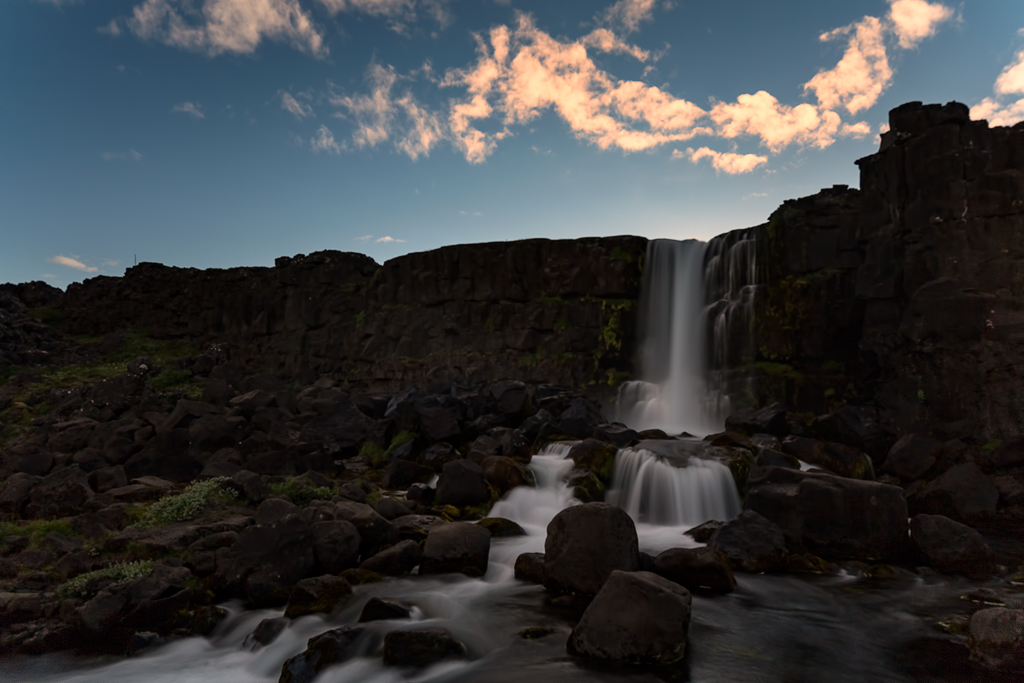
(72, 263)
(324, 141)
(915, 20)
(299, 109)
(604, 40)
(726, 162)
(860, 77)
(777, 125)
(860, 129)
(219, 26)
(628, 14)
(999, 113)
(1011, 80)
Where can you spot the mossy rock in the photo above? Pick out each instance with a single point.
(806, 563)
(361, 577)
(586, 487)
(501, 527)
(596, 456)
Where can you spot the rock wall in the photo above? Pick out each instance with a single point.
(909, 293)
(559, 311)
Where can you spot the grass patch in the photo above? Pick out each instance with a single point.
(85, 586)
(181, 381)
(36, 530)
(187, 504)
(992, 445)
(401, 438)
(298, 491)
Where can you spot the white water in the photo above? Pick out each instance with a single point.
(671, 392)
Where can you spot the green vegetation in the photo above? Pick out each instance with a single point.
(300, 492)
(620, 254)
(562, 325)
(85, 586)
(48, 315)
(36, 530)
(180, 381)
(187, 504)
(360, 318)
(992, 445)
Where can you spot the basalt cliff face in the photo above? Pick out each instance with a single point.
(559, 311)
(907, 294)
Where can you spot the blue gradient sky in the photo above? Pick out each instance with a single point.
(217, 133)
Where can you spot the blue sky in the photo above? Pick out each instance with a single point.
(218, 133)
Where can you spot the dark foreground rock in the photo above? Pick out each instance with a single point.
(530, 567)
(379, 609)
(833, 517)
(997, 639)
(398, 560)
(320, 594)
(421, 647)
(585, 544)
(696, 569)
(636, 618)
(327, 649)
(751, 542)
(458, 547)
(951, 547)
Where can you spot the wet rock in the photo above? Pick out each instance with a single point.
(327, 649)
(585, 544)
(769, 420)
(1011, 491)
(384, 609)
(856, 427)
(462, 484)
(580, 419)
(416, 527)
(702, 532)
(504, 473)
(317, 595)
(912, 456)
(963, 493)
(617, 434)
(951, 547)
(375, 531)
(421, 647)
(586, 487)
(390, 509)
(420, 493)
(834, 517)
(699, 569)
(361, 577)
(400, 474)
(596, 456)
(501, 527)
(266, 632)
(770, 458)
(251, 485)
(398, 560)
(458, 547)
(530, 567)
(996, 638)
(751, 542)
(636, 618)
(840, 459)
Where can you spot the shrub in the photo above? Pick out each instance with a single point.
(85, 586)
(187, 504)
(298, 491)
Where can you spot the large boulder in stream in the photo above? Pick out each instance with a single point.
(585, 544)
(696, 569)
(996, 638)
(751, 542)
(636, 618)
(834, 517)
(327, 649)
(951, 547)
(458, 547)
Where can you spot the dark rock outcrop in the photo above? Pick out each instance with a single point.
(421, 647)
(585, 544)
(751, 542)
(456, 547)
(700, 569)
(951, 547)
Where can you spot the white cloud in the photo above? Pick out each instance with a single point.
(777, 125)
(915, 20)
(863, 73)
(388, 239)
(219, 26)
(1011, 80)
(856, 130)
(191, 108)
(627, 14)
(290, 104)
(726, 162)
(324, 141)
(364, 238)
(72, 263)
(1000, 110)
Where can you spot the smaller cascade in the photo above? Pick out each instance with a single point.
(687, 492)
(534, 507)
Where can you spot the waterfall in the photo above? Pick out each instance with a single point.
(686, 491)
(670, 394)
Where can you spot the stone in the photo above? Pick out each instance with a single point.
(400, 474)
(389, 508)
(770, 458)
(768, 420)
(335, 545)
(912, 456)
(504, 473)
(375, 531)
(384, 609)
(397, 560)
(1011, 491)
(702, 532)
(963, 492)
(696, 569)
(617, 434)
(501, 527)
(951, 547)
(266, 632)
(273, 509)
(421, 647)
(580, 419)
(250, 485)
(1010, 454)
(267, 561)
(595, 456)
(457, 547)
(166, 455)
(420, 493)
(837, 458)
(636, 618)
(15, 493)
(462, 484)
(585, 544)
(996, 639)
(751, 542)
(416, 527)
(834, 517)
(342, 431)
(320, 594)
(148, 602)
(327, 649)
(60, 494)
(106, 478)
(856, 427)
(530, 567)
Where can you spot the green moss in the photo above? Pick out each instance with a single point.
(992, 445)
(188, 504)
(49, 315)
(298, 491)
(84, 586)
(562, 325)
(177, 380)
(375, 280)
(36, 530)
(371, 450)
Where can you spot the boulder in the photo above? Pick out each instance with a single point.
(456, 547)
(702, 532)
(504, 473)
(327, 649)
(389, 508)
(769, 420)
(834, 517)
(951, 547)
(963, 492)
(595, 456)
(856, 427)
(462, 484)
(250, 485)
(501, 527)
(617, 434)
(341, 431)
(996, 639)
(696, 569)
(148, 602)
(636, 618)
(60, 494)
(316, 595)
(912, 456)
(166, 455)
(751, 542)
(384, 609)
(375, 531)
(15, 493)
(585, 544)
(266, 632)
(530, 567)
(398, 560)
(416, 527)
(1010, 454)
(580, 419)
(1011, 491)
(421, 647)
(771, 458)
(837, 458)
(267, 560)
(400, 474)
(273, 509)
